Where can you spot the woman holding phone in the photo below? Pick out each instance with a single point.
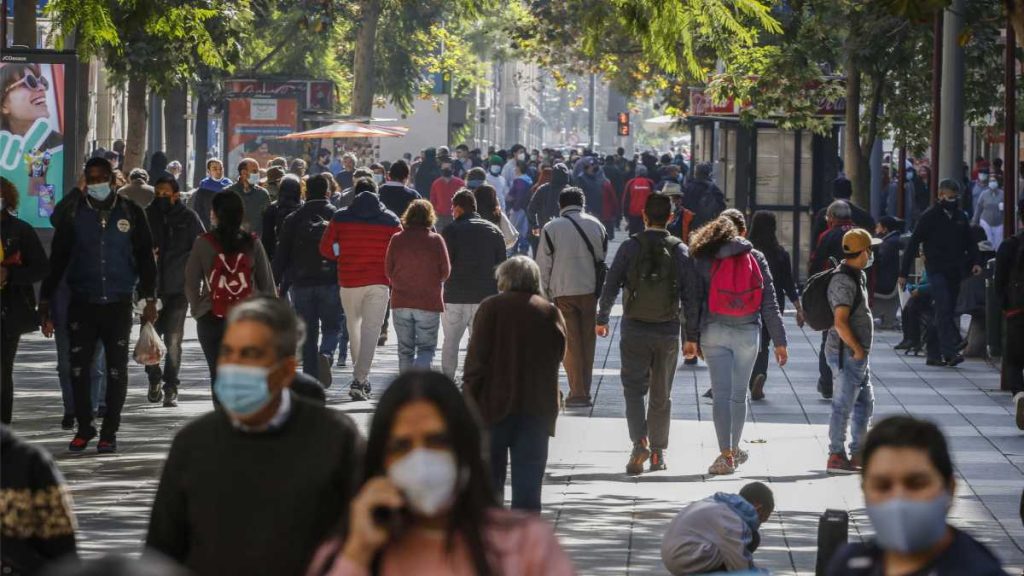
(426, 506)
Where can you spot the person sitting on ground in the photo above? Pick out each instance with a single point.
(717, 534)
(909, 487)
(916, 315)
(229, 487)
(424, 469)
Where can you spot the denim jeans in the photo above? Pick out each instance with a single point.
(99, 371)
(730, 352)
(170, 325)
(318, 307)
(521, 222)
(852, 392)
(417, 337)
(456, 319)
(945, 288)
(525, 437)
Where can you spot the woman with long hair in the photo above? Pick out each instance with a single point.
(240, 263)
(764, 238)
(729, 296)
(489, 209)
(23, 93)
(426, 505)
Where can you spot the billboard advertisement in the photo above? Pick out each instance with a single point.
(253, 124)
(36, 150)
(313, 94)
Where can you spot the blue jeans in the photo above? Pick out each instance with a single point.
(99, 371)
(417, 337)
(730, 352)
(851, 392)
(318, 307)
(945, 288)
(526, 437)
(521, 222)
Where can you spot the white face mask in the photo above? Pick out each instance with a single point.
(993, 184)
(982, 177)
(254, 179)
(427, 478)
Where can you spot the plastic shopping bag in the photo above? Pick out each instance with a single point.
(150, 349)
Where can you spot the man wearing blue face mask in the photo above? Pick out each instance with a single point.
(908, 488)
(254, 487)
(255, 197)
(103, 244)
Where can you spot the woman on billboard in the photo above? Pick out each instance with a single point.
(31, 144)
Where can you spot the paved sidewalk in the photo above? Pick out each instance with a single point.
(610, 523)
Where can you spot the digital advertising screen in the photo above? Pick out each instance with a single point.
(36, 151)
(253, 124)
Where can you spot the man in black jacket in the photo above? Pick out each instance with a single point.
(544, 205)
(394, 194)
(949, 251)
(103, 243)
(475, 248)
(842, 189)
(174, 228)
(313, 279)
(254, 488)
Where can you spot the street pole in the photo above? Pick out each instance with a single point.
(933, 182)
(1010, 132)
(951, 129)
(590, 115)
(901, 184)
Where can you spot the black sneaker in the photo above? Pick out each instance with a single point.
(825, 390)
(156, 393)
(657, 461)
(107, 445)
(101, 412)
(904, 345)
(954, 361)
(171, 397)
(757, 387)
(67, 422)
(709, 394)
(382, 340)
(690, 361)
(359, 392)
(935, 362)
(326, 379)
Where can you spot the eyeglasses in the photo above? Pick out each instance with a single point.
(31, 81)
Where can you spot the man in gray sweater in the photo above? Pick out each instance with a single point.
(255, 197)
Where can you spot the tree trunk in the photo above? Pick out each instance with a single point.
(83, 102)
(362, 67)
(135, 142)
(862, 189)
(202, 136)
(24, 23)
(175, 110)
(855, 162)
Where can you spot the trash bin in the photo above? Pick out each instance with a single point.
(993, 315)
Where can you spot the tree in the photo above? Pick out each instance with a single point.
(151, 44)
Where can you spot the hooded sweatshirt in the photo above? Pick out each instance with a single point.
(544, 205)
(289, 200)
(358, 239)
(698, 284)
(711, 534)
(593, 190)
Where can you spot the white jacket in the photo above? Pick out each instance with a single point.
(566, 266)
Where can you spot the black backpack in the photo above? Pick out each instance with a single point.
(308, 233)
(817, 310)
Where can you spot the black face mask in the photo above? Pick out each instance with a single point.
(947, 204)
(446, 172)
(163, 204)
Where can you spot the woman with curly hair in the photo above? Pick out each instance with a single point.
(729, 295)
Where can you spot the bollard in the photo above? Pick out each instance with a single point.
(993, 315)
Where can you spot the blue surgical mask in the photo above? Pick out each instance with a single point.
(474, 184)
(242, 390)
(378, 178)
(99, 192)
(254, 179)
(909, 526)
(495, 169)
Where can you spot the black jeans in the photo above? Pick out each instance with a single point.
(824, 372)
(526, 438)
(9, 351)
(945, 289)
(170, 325)
(210, 331)
(1013, 353)
(916, 315)
(112, 324)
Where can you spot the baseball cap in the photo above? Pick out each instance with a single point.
(858, 240)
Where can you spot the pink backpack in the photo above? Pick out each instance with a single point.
(736, 286)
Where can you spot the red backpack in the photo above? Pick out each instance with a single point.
(230, 279)
(736, 286)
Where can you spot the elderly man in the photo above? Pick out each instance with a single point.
(230, 500)
(512, 374)
(254, 197)
(571, 249)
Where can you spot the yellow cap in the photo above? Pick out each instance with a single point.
(858, 240)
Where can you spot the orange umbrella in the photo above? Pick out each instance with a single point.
(348, 130)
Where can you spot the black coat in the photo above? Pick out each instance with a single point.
(475, 248)
(396, 197)
(174, 232)
(298, 249)
(26, 263)
(887, 263)
(949, 247)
